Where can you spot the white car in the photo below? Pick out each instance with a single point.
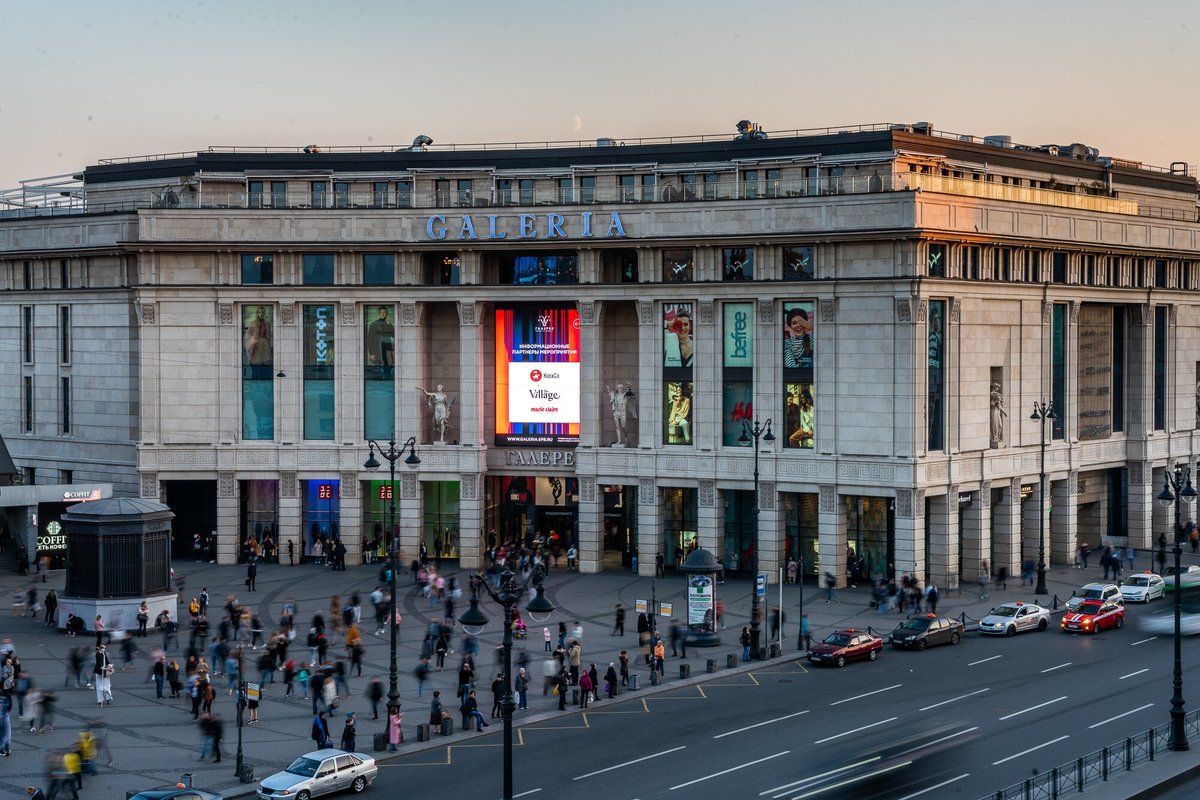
(320, 772)
(1142, 587)
(1010, 618)
(1104, 592)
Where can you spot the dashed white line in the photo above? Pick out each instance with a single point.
(856, 779)
(953, 699)
(1060, 666)
(1130, 675)
(1142, 641)
(627, 763)
(868, 694)
(1033, 708)
(1118, 716)
(812, 778)
(731, 769)
(984, 660)
(856, 730)
(758, 725)
(938, 786)
(1030, 750)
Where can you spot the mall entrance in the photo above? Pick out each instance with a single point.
(522, 508)
(620, 526)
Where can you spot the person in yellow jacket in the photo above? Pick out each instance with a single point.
(73, 766)
(660, 655)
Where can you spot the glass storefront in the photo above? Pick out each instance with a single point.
(740, 554)
(319, 520)
(800, 530)
(679, 525)
(439, 529)
(870, 530)
(259, 515)
(375, 498)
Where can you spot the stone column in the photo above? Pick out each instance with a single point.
(350, 517)
(591, 525)
(910, 534)
(409, 514)
(1064, 520)
(831, 535)
(649, 537)
(470, 521)
(707, 398)
(710, 521)
(769, 539)
(1006, 528)
(977, 538)
(290, 518)
(941, 564)
(473, 383)
(650, 403)
(593, 398)
(227, 541)
(1034, 504)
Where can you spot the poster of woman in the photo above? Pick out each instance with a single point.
(678, 345)
(798, 335)
(258, 350)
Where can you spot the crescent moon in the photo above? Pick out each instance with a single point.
(576, 122)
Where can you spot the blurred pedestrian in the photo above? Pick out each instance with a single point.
(349, 733)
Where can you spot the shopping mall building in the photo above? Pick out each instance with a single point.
(611, 324)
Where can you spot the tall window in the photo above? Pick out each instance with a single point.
(64, 273)
(64, 334)
(404, 192)
(678, 357)
(1160, 368)
(319, 191)
(626, 184)
(319, 335)
(28, 276)
(751, 183)
(279, 194)
(464, 191)
(1059, 267)
(65, 397)
(258, 269)
(1118, 369)
(566, 192)
(27, 334)
(648, 184)
(318, 269)
(379, 269)
(341, 194)
(254, 194)
(258, 372)
(525, 186)
(737, 370)
(936, 261)
(587, 189)
(774, 182)
(712, 183)
(379, 194)
(379, 372)
(1058, 370)
(504, 191)
(937, 375)
(27, 404)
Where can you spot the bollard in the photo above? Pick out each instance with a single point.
(447, 726)
(731, 660)
(574, 697)
(423, 732)
(685, 670)
(710, 665)
(247, 775)
(654, 677)
(774, 650)
(380, 742)
(186, 780)
(633, 682)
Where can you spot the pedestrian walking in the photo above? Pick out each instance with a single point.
(374, 695)
(932, 595)
(585, 689)
(102, 676)
(349, 733)
(521, 686)
(984, 577)
(830, 585)
(319, 732)
(610, 681)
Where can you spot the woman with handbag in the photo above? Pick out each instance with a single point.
(102, 676)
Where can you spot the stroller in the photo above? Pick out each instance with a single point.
(518, 626)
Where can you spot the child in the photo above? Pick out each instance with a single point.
(289, 678)
(302, 676)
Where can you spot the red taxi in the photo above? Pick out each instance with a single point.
(845, 645)
(1092, 615)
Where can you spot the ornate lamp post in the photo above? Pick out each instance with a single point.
(1181, 484)
(392, 454)
(473, 622)
(752, 433)
(1042, 411)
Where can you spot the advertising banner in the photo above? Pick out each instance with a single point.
(537, 375)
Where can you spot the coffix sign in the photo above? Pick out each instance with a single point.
(525, 226)
(79, 497)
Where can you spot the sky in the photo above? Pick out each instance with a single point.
(83, 81)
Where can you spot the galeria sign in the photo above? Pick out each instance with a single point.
(524, 226)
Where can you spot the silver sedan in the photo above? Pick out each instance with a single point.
(320, 772)
(1012, 618)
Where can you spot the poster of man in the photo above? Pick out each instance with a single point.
(381, 336)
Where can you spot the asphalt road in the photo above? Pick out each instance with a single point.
(951, 722)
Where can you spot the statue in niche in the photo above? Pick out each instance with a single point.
(620, 400)
(439, 407)
(997, 416)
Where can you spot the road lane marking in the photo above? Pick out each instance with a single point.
(1030, 750)
(818, 777)
(1142, 641)
(984, 660)
(1118, 716)
(931, 788)
(936, 741)
(856, 730)
(526, 794)
(856, 779)
(731, 769)
(953, 699)
(628, 763)
(1033, 708)
(758, 725)
(1130, 675)
(868, 694)
(1060, 666)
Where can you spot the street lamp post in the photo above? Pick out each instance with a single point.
(473, 622)
(1177, 487)
(238, 764)
(1042, 411)
(392, 454)
(752, 433)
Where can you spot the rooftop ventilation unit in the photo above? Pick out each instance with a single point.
(923, 127)
(606, 141)
(998, 141)
(749, 131)
(420, 143)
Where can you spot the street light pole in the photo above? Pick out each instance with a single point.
(392, 455)
(1181, 483)
(752, 433)
(1042, 411)
(473, 621)
(238, 763)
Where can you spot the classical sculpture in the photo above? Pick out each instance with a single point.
(619, 400)
(997, 417)
(439, 406)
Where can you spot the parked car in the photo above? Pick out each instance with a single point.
(177, 792)
(926, 630)
(846, 645)
(1092, 615)
(1142, 587)
(320, 772)
(1104, 592)
(1011, 618)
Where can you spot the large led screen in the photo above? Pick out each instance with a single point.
(537, 375)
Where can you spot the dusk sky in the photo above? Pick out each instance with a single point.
(89, 80)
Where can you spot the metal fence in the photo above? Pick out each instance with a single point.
(1095, 767)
